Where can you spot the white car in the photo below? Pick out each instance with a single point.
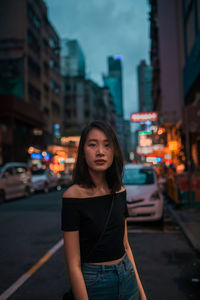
(15, 181)
(144, 198)
(44, 180)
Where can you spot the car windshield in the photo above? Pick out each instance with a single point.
(38, 172)
(140, 176)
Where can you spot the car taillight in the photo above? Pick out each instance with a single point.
(155, 196)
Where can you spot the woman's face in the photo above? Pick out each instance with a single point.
(98, 151)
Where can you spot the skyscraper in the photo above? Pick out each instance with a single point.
(72, 58)
(144, 87)
(114, 82)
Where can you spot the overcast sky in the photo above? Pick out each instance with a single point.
(104, 28)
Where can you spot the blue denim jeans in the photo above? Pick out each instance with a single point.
(111, 282)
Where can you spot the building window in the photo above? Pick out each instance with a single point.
(54, 65)
(45, 44)
(68, 113)
(46, 111)
(34, 66)
(67, 87)
(46, 90)
(55, 87)
(34, 93)
(46, 68)
(54, 45)
(33, 42)
(55, 108)
(33, 17)
(190, 30)
(74, 111)
(45, 19)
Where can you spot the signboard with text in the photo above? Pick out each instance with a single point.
(144, 117)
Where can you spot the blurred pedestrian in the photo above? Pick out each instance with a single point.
(100, 262)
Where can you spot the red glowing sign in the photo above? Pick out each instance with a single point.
(144, 116)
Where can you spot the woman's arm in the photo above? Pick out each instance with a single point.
(130, 255)
(72, 254)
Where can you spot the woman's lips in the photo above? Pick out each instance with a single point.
(100, 161)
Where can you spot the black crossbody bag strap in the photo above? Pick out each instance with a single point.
(104, 229)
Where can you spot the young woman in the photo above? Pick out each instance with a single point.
(99, 269)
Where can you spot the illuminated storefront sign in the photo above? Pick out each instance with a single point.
(143, 117)
(36, 155)
(37, 132)
(173, 145)
(144, 150)
(168, 156)
(144, 141)
(56, 130)
(153, 159)
(144, 132)
(158, 147)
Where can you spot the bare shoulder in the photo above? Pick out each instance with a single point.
(75, 191)
(122, 189)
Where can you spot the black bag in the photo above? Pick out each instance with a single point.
(69, 295)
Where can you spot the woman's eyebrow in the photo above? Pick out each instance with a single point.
(96, 140)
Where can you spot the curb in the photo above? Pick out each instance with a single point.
(188, 233)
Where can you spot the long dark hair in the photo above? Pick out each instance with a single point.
(81, 174)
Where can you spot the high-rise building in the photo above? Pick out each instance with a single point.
(144, 87)
(167, 59)
(191, 80)
(72, 58)
(30, 80)
(114, 82)
(83, 102)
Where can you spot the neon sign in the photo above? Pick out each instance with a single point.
(143, 117)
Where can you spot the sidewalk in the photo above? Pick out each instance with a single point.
(189, 221)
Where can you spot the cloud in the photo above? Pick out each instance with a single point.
(106, 28)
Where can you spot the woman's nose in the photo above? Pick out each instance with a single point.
(100, 150)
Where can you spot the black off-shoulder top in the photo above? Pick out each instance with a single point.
(88, 216)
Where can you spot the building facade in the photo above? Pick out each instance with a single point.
(30, 80)
(191, 79)
(84, 101)
(144, 73)
(167, 60)
(72, 58)
(113, 81)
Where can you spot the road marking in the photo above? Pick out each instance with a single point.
(19, 282)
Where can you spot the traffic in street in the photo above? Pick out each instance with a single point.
(32, 256)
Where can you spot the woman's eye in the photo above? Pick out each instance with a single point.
(91, 145)
(107, 145)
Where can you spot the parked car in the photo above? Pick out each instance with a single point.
(65, 179)
(15, 181)
(44, 180)
(144, 198)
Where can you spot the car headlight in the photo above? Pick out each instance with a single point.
(155, 196)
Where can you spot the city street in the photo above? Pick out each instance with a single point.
(30, 228)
